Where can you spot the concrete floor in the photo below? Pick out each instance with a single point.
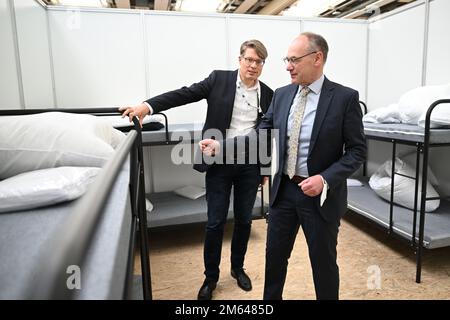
(372, 265)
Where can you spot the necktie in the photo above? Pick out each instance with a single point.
(295, 132)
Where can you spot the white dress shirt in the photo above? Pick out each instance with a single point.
(245, 109)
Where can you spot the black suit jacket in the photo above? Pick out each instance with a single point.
(337, 146)
(219, 89)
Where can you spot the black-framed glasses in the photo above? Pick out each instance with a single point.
(295, 60)
(250, 61)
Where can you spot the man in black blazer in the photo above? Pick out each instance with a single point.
(236, 100)
(321, 143)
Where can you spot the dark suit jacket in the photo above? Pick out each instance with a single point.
(337, 147)
(219, 89)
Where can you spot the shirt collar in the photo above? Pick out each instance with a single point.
(316, 86)
(241, 84)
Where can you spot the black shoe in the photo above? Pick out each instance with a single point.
(242, 278)
(206, 290)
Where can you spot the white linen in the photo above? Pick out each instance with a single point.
(404, 187)
(54, 139)
(412, 107)
(44, 187)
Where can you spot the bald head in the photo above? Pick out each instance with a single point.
(317, 43)
(307, 55)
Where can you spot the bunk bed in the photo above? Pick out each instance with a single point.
(97, 233)
(171, 209)
(422, 230)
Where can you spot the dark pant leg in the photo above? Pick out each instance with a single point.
(321, 238)
(246, 180)
(218, 188)
(282, 229)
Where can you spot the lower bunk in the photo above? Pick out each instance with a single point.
(364, 201)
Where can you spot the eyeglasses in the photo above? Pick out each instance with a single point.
(295, 60)
(250, 61)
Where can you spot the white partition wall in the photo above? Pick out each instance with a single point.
(438, 72)
(438, 55)
(347, 59)
(98, 57)
(35, 54)
(9, 78)
(181, 50)
(275, 33)
(395, 56)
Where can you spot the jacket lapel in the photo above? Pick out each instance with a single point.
(230, 94)
(322, 108)
(292, 90)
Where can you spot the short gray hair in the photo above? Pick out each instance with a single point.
(317, 43)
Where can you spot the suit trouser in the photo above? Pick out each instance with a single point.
(292, 210)
(245, 178)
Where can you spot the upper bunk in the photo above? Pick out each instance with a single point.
(42, 247)
(431, 133)
(405, 132)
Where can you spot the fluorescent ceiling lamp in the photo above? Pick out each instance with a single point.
(198, 5)
(310, 8)
(83, 3)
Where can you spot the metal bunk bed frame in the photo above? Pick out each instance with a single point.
(421, 147)
(70, 244)
(168, 141)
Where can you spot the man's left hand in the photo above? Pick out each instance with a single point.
(312, 186)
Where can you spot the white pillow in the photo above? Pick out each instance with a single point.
(119, 122)
(148, 205)
(44, 187)
(440, 116)
(404, 187)
(354, 183)
(410, 160)
(54, 139)
(191, 192)
(414, 103)
(389, 114)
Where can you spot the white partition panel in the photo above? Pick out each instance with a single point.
(275, 33)
(347, 58)
(438, 72)
(438, 56)
(9, 83)
(98, 57)
(395, 56)
(31, 19)
(184, 49)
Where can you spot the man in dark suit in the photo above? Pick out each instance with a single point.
(236, 101)
(321, 143)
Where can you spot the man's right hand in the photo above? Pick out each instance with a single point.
(209, 147)
(140, 111)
